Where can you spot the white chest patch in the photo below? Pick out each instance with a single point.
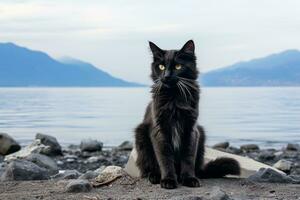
(176, 139)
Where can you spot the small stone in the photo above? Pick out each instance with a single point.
(126, 146)
(293, 147)
(221, 145)
(89, 175)
(54, 147)
(21, 170)
(271, 176)
(79, 185)
(93, 159)
(217, 194)
(109, 173)
(44, 162)
(71, 156)
(91, 145)
(249, 147)
(70, 160)
(8, 145)
(283, 165)
(67, 174)
(59, 162)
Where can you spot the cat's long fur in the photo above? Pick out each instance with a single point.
(169, 142)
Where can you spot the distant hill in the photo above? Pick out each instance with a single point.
(281, 69)
(20, 66)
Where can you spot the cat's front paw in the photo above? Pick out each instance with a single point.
(154, 178)
(190, 181)
(168, 183)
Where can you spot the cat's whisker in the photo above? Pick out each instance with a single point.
(187, 89)
(190, 84)
(179, 88)
(187, 79)
(183, 91)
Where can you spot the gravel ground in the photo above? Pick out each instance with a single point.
(125, 188)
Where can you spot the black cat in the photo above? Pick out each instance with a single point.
(169, 143)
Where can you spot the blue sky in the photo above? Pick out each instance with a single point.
(113, 34)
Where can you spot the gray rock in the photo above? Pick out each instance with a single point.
(67, 174)
(278, 153)
(283, 165)
(47, 140)
(271, 176)
(1, 158)
(8, 145)
(79, 185)
(221, 145)
(71, 157)
(217, 194)
(290, 154)
(233, 150)
(266, 155)
(126, 146)
(91, 145)
(249, 147)
(293, 147)
(19, 170)
(89, 175)
(44, 162)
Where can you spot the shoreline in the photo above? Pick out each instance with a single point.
(81, 164)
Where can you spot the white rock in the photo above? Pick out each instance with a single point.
(93, 159)
(283, 165)
(35, 147)
(248, 165)
(109, 173)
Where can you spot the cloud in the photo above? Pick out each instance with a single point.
(114, 34)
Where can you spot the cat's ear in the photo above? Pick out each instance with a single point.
(156, 51)
(188, 47)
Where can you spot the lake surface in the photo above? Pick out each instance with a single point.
(266, 116)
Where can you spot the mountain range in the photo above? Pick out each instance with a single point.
(280, 69)
(23, 67)
(20, 66)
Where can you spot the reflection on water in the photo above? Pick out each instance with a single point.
(267, 116)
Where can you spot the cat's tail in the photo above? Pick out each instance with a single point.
(219, 168)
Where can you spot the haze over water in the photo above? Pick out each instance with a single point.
(266, 116)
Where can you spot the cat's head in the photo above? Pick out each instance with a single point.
(169, 66)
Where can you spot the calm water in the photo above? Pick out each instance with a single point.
(266, 116)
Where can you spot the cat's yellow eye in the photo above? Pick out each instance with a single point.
(178, 66)
(162, 67)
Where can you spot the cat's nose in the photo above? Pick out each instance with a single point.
(169, 80)
(168, 77)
